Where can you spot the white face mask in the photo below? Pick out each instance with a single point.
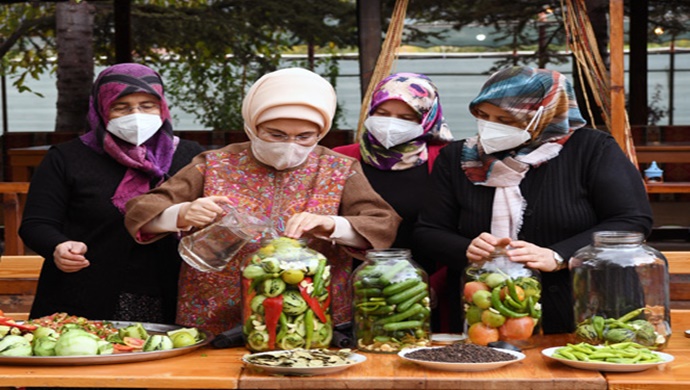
(280, 155)
(135, 128)
(392, 131)
(496, 137)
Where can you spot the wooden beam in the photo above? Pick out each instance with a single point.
(618, 114)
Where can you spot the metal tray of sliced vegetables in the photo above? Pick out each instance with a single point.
(93, 342)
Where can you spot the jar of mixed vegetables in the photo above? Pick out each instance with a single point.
(286, 297)
(391, 302)
(621, 291)
(502, 302)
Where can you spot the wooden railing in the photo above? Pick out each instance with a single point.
(13, 196)
(19, 277)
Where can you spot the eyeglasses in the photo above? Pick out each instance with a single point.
(302, 139)
(124, 108)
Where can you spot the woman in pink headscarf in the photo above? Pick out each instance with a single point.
(307, 191)
(74, 215)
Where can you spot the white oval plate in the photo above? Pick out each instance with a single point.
(306, 371)
(461, 366)
(609, 367)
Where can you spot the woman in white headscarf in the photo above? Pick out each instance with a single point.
(306, 190)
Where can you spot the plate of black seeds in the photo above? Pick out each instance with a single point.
(461, 357)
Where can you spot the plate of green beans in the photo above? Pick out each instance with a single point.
(619, 357)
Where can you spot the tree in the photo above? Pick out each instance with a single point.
(226, 45)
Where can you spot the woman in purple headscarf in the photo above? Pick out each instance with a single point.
(74, 214)
(404, 132)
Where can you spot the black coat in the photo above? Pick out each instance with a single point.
(590, 186)
(70, 199)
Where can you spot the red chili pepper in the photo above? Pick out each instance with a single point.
(248, 296)
(313, 302)
(10, 322)
(327, 302)
(273, 306)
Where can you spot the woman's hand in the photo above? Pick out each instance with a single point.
(69, 256)
(484, 245)
(313, 224)
(532, 256)
(200, 212)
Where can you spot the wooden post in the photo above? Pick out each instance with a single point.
(618, 114)
(369, 30)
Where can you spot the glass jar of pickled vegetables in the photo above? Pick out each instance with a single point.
(621, 291)
(391, 302)
(501, 302)
(286, 297)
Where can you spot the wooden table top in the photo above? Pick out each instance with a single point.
(223, 369)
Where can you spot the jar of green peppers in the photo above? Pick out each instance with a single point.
(502, 301)
(286, 297)
(391, 302)
(621, 291)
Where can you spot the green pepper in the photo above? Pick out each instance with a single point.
(500, 307)
(532, 309)
(629, 316)
(283, 328)
(318, 277)
(598, 325)
(309, 326)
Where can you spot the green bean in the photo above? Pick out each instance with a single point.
(318, 278)
(402, 325)
(368, 292)
(405, 295)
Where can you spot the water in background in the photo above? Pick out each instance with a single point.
(458, 81)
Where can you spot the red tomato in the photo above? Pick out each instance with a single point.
(134, 342)
(516, 329)
(473, 287)
(122, 348)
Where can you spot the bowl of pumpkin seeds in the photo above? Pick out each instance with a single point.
(305, 362)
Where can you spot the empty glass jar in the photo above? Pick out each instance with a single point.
(391, 302)
(621, 291)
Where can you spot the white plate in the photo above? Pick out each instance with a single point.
(609, 367)
(275, 370)
(461, 366)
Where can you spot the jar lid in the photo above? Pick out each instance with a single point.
(653, 170)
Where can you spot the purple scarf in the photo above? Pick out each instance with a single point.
(147, 163)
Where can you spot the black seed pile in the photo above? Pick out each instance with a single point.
(461, 353)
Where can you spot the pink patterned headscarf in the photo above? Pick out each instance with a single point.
(147, 162)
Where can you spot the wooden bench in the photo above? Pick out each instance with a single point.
(13, 196)
(18, 280)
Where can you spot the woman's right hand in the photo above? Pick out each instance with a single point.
(483, 246)
(69, 256)
(200, 212)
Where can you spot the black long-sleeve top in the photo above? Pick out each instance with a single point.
(590, 186)
(70, 199)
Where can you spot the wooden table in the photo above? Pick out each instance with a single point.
(222, 369)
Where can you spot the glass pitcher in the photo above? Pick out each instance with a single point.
(211, 248)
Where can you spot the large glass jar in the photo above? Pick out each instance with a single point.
(621, 291)
(286, 297)
(391, 302)
(502, 302)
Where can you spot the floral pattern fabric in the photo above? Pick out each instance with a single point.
(212, 300)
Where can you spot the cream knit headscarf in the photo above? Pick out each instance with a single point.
(293, 93)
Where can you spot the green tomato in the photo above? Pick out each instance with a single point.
(494, 279)
(473, 314)
(292, 276)
(492, 318)
(482, 298)
(183, 339)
